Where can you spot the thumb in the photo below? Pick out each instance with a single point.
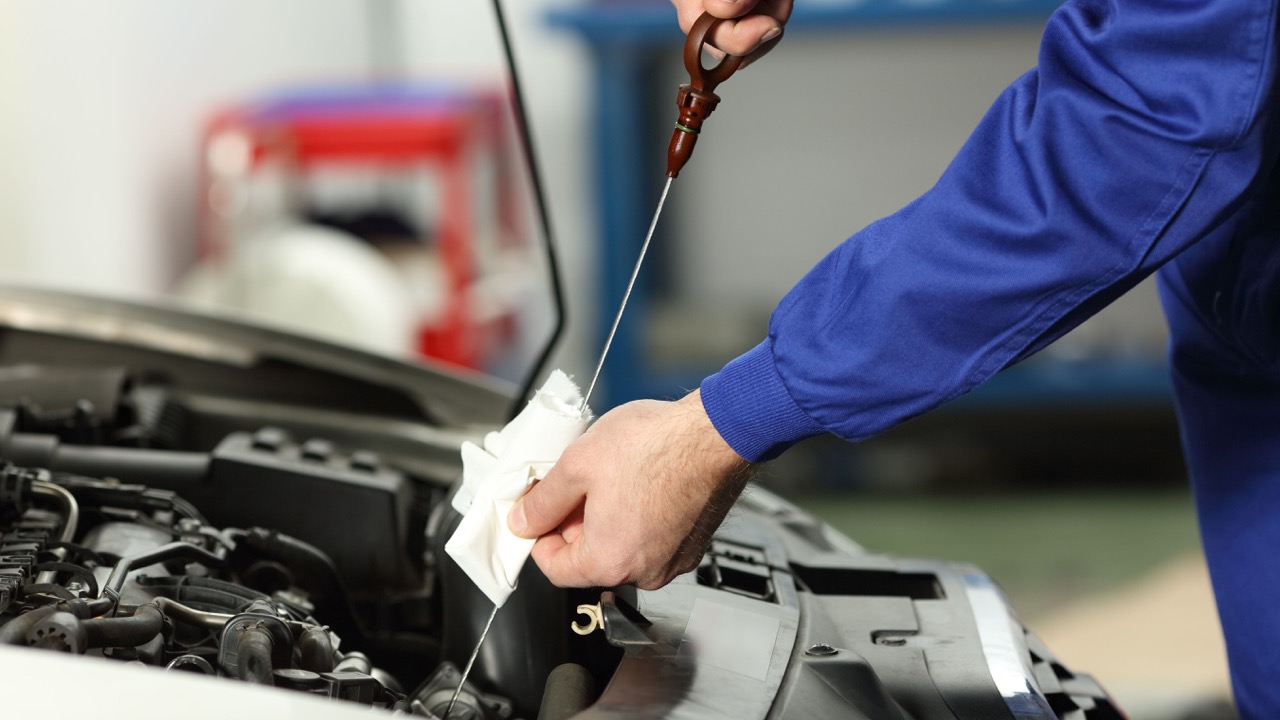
(544, 506)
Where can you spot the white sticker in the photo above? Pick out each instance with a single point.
(731, 638)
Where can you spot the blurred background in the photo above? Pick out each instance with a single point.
(351, 169)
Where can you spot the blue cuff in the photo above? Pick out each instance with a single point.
(751, 408)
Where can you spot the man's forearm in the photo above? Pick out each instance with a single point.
(1144, 125)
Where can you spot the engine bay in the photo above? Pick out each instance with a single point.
(265, 558)
(188, 501)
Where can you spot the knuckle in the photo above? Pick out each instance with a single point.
(723, 9)
(557, 572)
(569, 461)
(614, 575)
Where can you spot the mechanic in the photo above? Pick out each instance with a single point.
(1146, 139)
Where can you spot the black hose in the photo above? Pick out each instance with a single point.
(315, 573)
(570, 689)
(125, 632)
(53, 589)
(111, 590)
(208, 599)
(80, 554)
(77, 571)
(315, 650)
(202, 593)
(156, 468)
(253, 656)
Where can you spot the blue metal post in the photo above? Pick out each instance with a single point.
(624, 172)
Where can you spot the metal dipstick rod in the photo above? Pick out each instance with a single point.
(471, 662)
(635, 273)
(695, 101)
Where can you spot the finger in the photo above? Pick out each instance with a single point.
(573, 526)
(544, 506)
(728, 8)
(690, 10)
(559, 561)
(746, 35)
(760, 51)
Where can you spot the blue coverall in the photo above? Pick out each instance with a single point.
(1146, 138)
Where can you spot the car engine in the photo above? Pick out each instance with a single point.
(264, 559)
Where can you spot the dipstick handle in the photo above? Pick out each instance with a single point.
(696, 99)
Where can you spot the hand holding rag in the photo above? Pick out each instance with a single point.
(495, 476)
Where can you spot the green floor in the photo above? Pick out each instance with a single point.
(1045, 550)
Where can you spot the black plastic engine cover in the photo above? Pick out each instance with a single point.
(350, 506)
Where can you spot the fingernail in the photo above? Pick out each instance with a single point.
(771, 34)
(516, 519)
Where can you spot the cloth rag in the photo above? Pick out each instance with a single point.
(498, 474)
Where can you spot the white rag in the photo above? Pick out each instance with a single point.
(495, 476)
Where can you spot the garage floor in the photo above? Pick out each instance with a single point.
(1114, 583)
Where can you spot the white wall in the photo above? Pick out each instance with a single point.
(102, 107)
(824, 136)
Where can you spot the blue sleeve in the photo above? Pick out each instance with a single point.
(1144, 125)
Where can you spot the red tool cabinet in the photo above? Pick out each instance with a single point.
(389, 127)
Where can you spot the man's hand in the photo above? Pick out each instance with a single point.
(755, 26)
(635, 499)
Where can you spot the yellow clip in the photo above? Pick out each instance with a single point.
(593, 614)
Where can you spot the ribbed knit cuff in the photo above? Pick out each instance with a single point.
(751, 408)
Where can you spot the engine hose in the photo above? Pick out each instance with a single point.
(15, 631)
(111, 590)
(209, 599)
(124, 632)
(165, 469)
(570, 689)
(315, 650)
(315, 572)
(79, 572)
(79, 554)
(253, 656)
(215, 595)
